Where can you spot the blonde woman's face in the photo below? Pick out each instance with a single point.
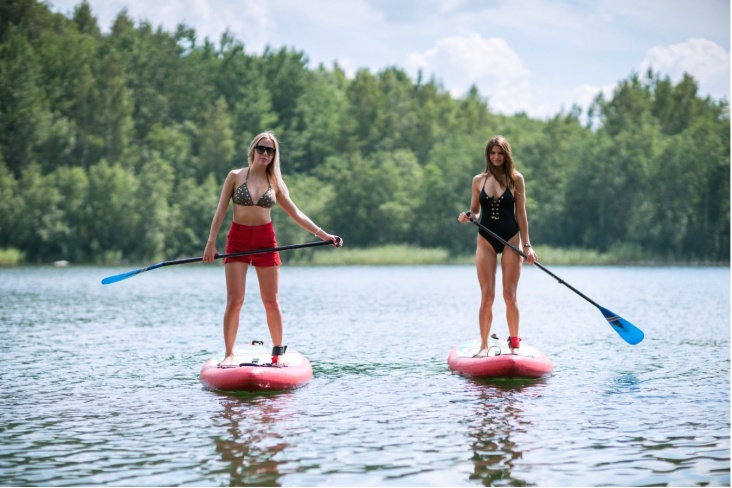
(264, 151)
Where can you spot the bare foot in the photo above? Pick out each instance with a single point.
(228, 361)
(483, 353)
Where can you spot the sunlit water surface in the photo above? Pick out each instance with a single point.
(100, 383)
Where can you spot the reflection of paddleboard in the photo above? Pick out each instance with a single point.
(529, 362)
(252, 370)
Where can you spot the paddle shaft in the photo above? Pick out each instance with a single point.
(247, 253)
(123, 276)
(537, 263)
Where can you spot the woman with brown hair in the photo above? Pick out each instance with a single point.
(498, 199)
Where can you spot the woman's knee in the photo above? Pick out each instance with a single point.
(509, 296)
(488, 295)
(271, 302)
(234, 302)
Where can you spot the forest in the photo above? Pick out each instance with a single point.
(113, 148)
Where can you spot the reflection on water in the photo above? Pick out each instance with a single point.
(497, 420)
(246, 443)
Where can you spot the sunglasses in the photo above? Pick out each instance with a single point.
(264, 149)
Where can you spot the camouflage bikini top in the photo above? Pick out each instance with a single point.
(243, 197)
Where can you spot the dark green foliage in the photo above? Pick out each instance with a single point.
(115, 146)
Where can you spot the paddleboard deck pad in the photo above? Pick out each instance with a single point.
(252, 370)
(528, 362)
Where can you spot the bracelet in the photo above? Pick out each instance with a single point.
(318, 232)
(527, 245)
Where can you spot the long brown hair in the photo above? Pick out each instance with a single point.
(509, 167)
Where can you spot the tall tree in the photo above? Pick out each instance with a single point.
(320, 120)
(85, 21)
(631, 102)
(12, 221)
(44, 239)
(366, 102)
(114, 106)
(153, 201)
(73, 186)
(216, 141)
(113, 216)
(286, 74)
(241, 80)
(24, 112)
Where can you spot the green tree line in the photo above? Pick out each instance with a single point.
(114, 146)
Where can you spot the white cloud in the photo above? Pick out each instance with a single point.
(251, 21)
(449, 6)
(340, 15)
(490, 64)
(349, 66)
(705, 60)
(584, 95)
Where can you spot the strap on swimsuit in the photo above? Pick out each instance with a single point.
(243, 197)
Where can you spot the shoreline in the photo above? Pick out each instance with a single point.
(404, 255)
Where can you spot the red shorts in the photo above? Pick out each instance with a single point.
(249, 238)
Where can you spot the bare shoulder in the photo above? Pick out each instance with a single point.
(236, 173)
(232, 177)
(479, 178)
(519, 179)
(278, 184)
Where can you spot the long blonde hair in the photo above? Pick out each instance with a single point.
(273, 168)
(509, 167)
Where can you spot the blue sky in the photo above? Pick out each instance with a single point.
(536, 56)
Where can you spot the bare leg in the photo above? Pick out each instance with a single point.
(269, 283)
(486, 261)
(511, 270)
(236, 273)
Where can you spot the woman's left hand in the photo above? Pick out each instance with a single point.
(336, 240)
(531, 256)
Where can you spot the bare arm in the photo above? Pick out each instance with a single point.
(523, 220)
(226, 191)
(283, 198)
(474, 200)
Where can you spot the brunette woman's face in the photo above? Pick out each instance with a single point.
(496, 156)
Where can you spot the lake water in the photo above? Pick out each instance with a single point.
(100, 383)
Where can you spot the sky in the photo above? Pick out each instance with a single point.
(534, 56)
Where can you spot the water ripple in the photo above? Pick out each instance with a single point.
(101, 383)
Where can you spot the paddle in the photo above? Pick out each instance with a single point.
(629, 332)
(123, 276)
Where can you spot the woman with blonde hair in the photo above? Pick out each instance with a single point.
(254, 190)
(498, 199)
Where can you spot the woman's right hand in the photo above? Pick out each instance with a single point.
(209, 253)
(464, 217)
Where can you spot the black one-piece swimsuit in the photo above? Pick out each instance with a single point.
(499, 215)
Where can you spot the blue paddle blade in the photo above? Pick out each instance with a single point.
(629, 332)
(114, 279)
(123, 276)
